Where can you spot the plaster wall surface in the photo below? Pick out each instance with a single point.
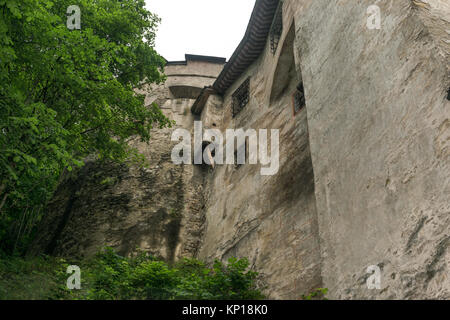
(379, 128)
(364, 178)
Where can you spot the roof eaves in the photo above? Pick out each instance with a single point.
(251, 45)
(210, 59)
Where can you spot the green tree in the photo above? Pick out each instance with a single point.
(113, 277)
(68, 94)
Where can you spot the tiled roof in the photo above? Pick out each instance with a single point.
(251, 45)
(247, 52)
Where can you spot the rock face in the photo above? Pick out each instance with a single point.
(157, 209)
(126, 208)
(379, 133)
(435, 15)
(364, 172)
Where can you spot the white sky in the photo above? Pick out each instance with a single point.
(203, 27)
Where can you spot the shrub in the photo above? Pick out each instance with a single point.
(108, 276)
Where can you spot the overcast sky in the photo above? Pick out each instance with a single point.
(204, 27)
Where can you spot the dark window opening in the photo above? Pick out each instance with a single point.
(276, 29)
(448, 94)
(298, 99)
(237, 165)
(210, 151)
(210, 146)
(241, 97)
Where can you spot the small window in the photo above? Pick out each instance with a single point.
(241, 97)
(276, 29)
(448, 94)
(298, 99)
(209, 150)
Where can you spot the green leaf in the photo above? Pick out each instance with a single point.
(66, 95)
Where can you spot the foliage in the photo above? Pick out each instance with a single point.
(318, 294)
(232, 281)
(68, 94)
(28, 279)
(109, 276)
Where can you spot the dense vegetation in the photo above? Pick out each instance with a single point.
(68, 94)
(109, 276)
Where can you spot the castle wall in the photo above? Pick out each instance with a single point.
(157, 209)
(378, 119)
(364, 170)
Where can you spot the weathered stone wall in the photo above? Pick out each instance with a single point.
(157, 209)
(186, 79)
(379, 135)
(435, 15)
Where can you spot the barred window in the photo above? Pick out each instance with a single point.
(277, 28)
(241, 97)
(298, 99)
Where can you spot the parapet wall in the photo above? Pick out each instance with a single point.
(379, 125)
